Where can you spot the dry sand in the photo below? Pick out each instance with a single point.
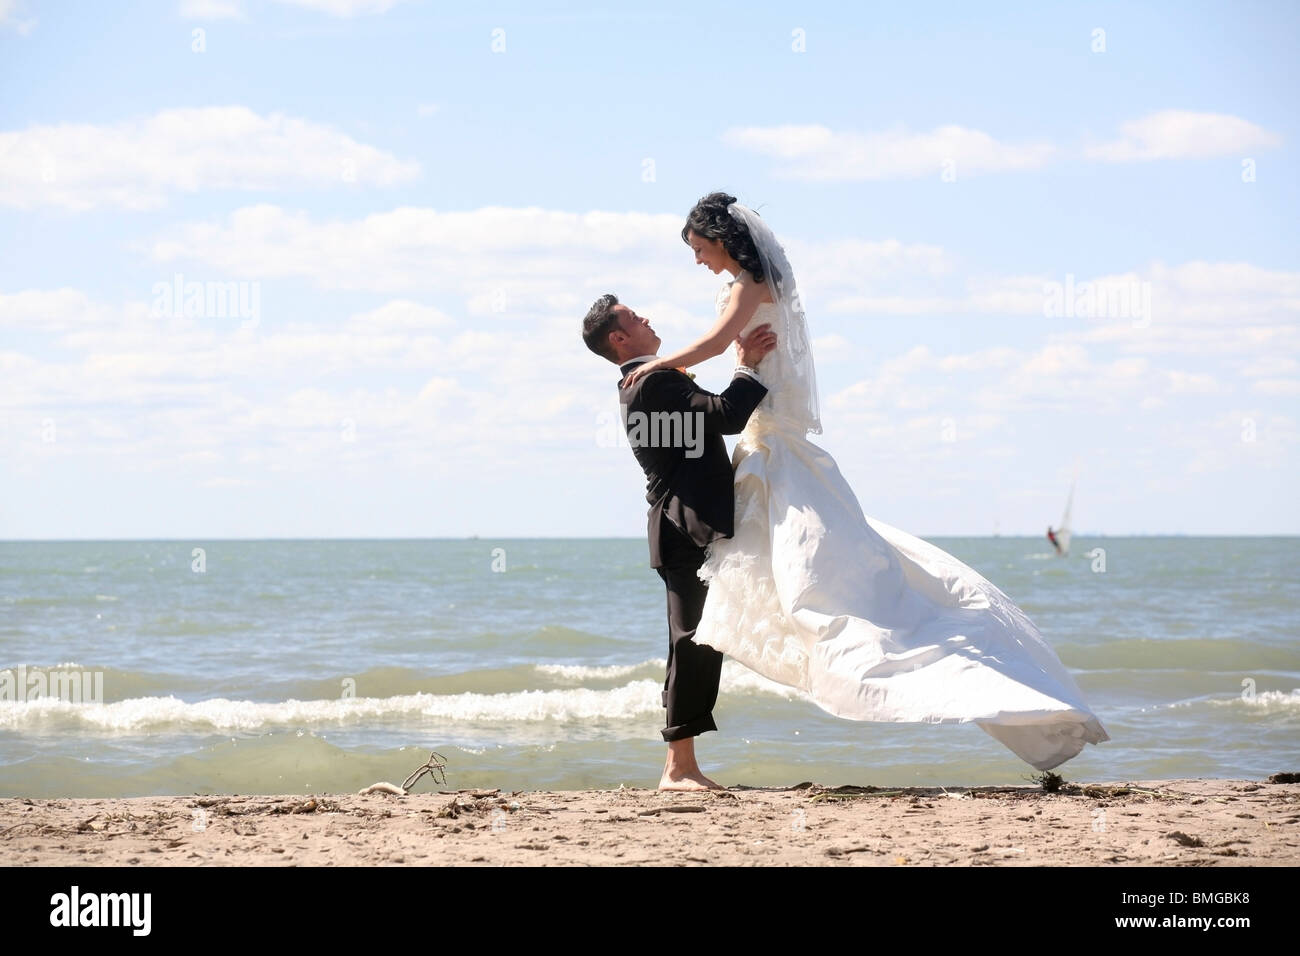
(1196, 822)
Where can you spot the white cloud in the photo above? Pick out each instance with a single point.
(560, 261)
(1174, 337)
(400, 315)
(222, 481)
(175, 391)
(482, 358)
(1255, 439)
(1266, 366)
(403, 381)
(1183, 134)
(139, 163)
(1000, 381)
(212, 10)
(55, 310)
(833, 348)
(233, 9)
(502, 261)
(1193, 383)
(1196, 307)
(1213, 291)
(896, 305)
(817, 153)
(11, 16)
(836, 266)
(509, 263)
(1278, 386)
(820, 154)
(345, 8)
(12, 363)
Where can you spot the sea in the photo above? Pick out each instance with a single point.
(132, 668)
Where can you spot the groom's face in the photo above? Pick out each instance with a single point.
(634, 335)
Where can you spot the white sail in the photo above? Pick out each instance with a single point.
(1063, 532)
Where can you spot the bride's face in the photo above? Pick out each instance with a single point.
(708, 252)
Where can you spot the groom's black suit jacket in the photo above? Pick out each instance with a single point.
(691, 486)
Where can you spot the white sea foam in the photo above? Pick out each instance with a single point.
(739, 679)
(581, 671)
(153, 714)
(633, 700)
(1266, 699)
(736, 678)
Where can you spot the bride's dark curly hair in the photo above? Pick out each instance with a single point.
(711, 220)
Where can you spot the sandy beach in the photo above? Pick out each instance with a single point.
(1181, 822)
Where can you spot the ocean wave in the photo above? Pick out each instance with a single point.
(158, 714)
(1267, 701)
(584, 671)
(632, 700)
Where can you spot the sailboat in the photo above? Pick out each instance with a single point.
(1063, 532)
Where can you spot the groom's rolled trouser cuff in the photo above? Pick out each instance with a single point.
(694, 670)
(692, 728)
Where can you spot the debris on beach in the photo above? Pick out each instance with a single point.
(435, 767)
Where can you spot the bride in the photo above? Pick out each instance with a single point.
(867, 620)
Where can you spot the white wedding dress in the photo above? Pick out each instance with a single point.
(869, 621)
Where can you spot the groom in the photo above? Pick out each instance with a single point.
(675, 429)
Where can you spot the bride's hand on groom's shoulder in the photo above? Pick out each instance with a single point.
(641, 370)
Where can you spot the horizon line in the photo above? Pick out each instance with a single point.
(481, 537)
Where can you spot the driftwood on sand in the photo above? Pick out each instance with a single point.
(435, 767)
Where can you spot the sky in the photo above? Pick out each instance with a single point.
(317, 268)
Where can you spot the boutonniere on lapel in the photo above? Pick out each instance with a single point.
(690, 375)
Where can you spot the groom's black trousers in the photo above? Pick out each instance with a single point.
(694, 670)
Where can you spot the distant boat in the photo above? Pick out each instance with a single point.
(1063, 532)
(1061, 536)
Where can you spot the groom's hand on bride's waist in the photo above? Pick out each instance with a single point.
(751, 349)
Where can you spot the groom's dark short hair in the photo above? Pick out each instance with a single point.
(600, 321)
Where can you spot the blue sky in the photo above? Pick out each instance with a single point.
(421, 202)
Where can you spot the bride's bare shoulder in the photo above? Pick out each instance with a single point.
(745, 283)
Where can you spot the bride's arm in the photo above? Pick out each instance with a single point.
(745, 298)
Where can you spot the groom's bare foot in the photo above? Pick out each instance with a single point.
(681, 772)
(689, 781)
